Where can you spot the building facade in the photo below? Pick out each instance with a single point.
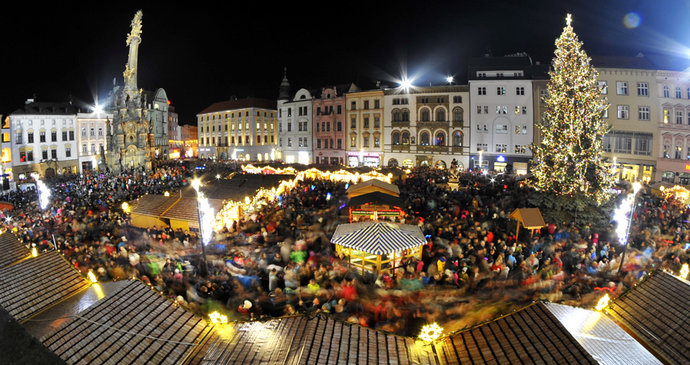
(427, 126)
(364, 128)
(629, 85)
(243, 130)
(502, 115)
(673, 124)
(43, 139)
(91, 140)
(330, 139)
(295, 121)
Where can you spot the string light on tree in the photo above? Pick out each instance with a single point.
(568, 160)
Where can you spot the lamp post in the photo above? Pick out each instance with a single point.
(205, 214)
(629, 200)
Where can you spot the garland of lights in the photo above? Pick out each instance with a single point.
(568, 160)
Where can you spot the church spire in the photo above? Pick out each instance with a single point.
(284, 93)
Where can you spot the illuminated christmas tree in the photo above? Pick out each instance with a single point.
(568, 160)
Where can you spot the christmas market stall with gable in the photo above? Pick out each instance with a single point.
(374, 246)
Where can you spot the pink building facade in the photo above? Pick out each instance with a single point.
(329, 126)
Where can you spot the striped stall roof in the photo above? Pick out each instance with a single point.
(135, 325)
(532, 335)
(657, 313)
(378, 237)
(37, 283)
(11, 249)
(302, 340)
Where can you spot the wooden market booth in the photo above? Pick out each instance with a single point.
(375, 246)
(530, 218)
(375, 206)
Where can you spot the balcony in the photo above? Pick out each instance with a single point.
(433, 124)
(460, 149)
(432, 149)
(458, 124)
(400, 148)
(405, 124)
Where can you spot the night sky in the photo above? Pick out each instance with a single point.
(218, 50)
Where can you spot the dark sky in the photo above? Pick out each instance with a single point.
(210, 52)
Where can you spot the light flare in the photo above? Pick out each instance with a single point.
(92, 277)
(684, 270)
(217, 318)
(43, 191)
(207, 218)
(603, 303)
(430, 332)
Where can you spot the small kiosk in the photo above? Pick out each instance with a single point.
(374, 199)
(374, 246)
(530, 218)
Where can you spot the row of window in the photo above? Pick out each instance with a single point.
(30, 124)
(85, 150)
(503, 148)
(326, 126)
(207, 140)
(642, 89)
(502, 109)
(27, 155)
(212, 128)
(365, 104)
(403, 138)
(327, 110)
(326, 144)
(365, 141)
(501, 90)
(239, 114)
(502, 129)
(629, 143)
(623, 112)
(66, 136)
(365, 124)
(678, 116)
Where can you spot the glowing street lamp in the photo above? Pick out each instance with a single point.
(624, 221)
(205, 213)
(430, 332)
(450, 79)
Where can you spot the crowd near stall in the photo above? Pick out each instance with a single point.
(454, 255)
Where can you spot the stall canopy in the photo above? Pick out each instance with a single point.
(375, 198)
(530, 218)
(378, 237)
(371, 186)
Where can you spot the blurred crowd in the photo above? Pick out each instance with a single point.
(278, 260)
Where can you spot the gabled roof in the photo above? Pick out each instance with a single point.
(657, 312)
(376, 197)
(11, 249)
(529, 217)
(240, 104)
(37, 283)
(303, 340)
(371, 186)
(135, 325)
(378, 237)
(531, 335)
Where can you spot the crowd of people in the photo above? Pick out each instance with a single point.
(278, 259)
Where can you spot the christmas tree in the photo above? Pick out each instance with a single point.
(568, 160)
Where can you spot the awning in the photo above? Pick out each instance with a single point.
(376, 197)
(378, 237)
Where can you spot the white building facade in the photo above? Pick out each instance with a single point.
(501, 113)
(295, 122)
(43, 139)
(91, 140)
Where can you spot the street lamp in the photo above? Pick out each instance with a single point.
(624, 222)
(205, 214)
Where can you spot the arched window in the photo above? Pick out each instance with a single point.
(424, 115)
(440, 115)
(395, 138)
(392, 162)
(424, 139)
(405, 115)
(457, 115)
(405, 138)
(397, 115)
(440, 139)
(457, 139)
